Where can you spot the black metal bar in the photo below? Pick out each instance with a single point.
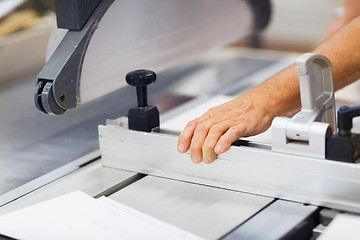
(283, 220)
(121, 185)
(73, 14)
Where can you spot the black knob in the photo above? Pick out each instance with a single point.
(345, 119)
(140, 79)
(144, 117)
(345, 145)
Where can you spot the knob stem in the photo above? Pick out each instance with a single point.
(141, 93)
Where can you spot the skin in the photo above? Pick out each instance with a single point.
(253, 112)
(351, 11)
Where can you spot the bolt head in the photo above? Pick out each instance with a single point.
(140, 78)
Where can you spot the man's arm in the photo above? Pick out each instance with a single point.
(253, 112)
(350, 12)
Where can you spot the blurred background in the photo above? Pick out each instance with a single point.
(299, 25)
(25, 27)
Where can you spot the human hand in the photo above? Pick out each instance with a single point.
(220, 126)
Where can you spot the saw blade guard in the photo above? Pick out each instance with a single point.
(121, 36)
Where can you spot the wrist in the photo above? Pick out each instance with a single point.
(279, 95)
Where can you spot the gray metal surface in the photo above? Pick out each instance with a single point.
(44, 179)
(158, 37)
(280, 220)
(33, 144)
(205, 211)
(91, 179)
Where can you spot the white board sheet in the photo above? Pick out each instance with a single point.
(79, 216)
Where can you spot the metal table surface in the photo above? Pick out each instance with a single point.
(33, 144)
(91, 179)
(205, 211)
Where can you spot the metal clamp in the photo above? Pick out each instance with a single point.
(306, 132)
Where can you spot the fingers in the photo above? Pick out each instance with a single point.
(214, 134)
(197, 142)
(231, 135)
(186, 136)
(215, 131)
(201, 139)
(210, 137)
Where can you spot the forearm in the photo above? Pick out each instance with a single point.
(351, 11)
(253, 112)
(279, 95)
(343, 51)
(281, 92)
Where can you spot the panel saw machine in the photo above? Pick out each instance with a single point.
(310, 160)
(288, 188)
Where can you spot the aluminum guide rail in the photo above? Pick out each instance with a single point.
(259, 171)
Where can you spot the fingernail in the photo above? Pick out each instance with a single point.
(194, 159)
(218, 148)
(206, 161)
(181, 148)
